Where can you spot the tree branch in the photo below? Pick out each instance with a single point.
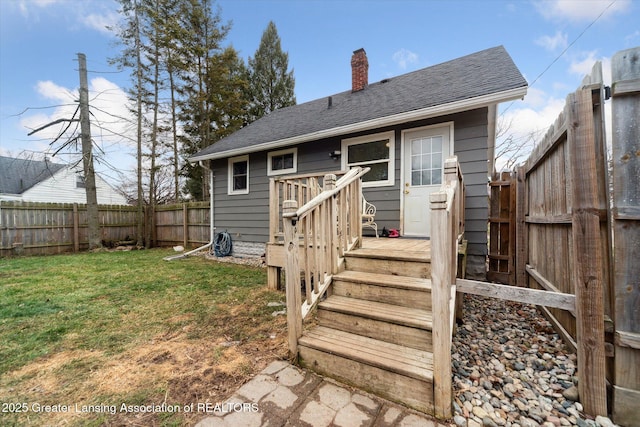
(51, 124)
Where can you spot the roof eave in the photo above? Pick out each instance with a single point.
(409, 116)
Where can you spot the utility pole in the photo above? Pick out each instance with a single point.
(87, 157)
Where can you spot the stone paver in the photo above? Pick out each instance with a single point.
(283, 395)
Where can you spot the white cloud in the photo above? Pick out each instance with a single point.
(100, 22)
(404, 57)
(579, 10)
(93, 14)
(583, 63)
(50, 90)
(28, 8)
(552, 43)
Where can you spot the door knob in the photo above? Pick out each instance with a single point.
(406, 191)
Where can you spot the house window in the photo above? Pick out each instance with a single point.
(80, 181)
(239, 175)
(372, 151)
(282, 162)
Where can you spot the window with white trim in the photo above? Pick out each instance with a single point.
(238, 175)
(374, 151)
(80, 182)
(282, 162)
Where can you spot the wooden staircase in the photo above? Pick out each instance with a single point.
(374, 330)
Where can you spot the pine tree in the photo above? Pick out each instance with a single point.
(205, 33)
(272, 86)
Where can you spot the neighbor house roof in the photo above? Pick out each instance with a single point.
(473, 81)
(18, 175)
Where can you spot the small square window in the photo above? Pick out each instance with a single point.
(80, 183)
(238, 175)
(282, 162)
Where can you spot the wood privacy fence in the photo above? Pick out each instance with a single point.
(559, 235)
(185, 224)
(49, 228)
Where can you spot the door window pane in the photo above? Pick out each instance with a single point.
(426, 161)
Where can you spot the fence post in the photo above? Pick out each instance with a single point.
(625, 72)
(587, 252)
(76, 233)
(441, 273)
(292, 279)
(522, 241)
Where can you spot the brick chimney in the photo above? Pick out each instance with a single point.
(359, 70)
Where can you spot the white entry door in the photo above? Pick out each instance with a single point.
(424, 154)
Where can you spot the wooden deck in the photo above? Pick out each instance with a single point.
(400, 244)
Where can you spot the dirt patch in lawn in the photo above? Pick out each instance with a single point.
(173, 368)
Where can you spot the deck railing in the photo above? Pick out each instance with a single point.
(316, 235)
(447, 228)
(301, 187)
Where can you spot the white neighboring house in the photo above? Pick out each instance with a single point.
(44, 181)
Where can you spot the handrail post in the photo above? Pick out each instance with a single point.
(294, 297)
(330, 184)
(359, 213)
(441, 273)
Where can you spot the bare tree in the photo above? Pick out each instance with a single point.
(511, 148)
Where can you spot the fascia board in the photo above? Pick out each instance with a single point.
(424, 113)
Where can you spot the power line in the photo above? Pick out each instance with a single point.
(572, 43)
(564, 51)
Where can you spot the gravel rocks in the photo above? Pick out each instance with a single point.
(250, 261)
(510, 369)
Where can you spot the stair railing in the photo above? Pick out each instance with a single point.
(447, 228)
(300, 187)
(316, 236)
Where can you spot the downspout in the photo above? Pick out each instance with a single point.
(212, 228)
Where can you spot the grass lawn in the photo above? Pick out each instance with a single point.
(94, 331)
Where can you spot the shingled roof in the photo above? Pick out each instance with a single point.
(475, 80)
(18, 175)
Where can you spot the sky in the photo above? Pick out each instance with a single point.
(554, 43)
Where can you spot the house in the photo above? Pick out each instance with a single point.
(401, 127)
(44, 181)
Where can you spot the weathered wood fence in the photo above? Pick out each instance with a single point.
(28, 228)
(185, 224)
(566, 248)
(558, 235)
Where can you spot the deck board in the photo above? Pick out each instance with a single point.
(398, 244)
(414, 363)
(399, 282)
(380, 311)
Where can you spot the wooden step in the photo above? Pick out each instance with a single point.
(395, 324)
(405, 263)
(399, 290)
(396, 372)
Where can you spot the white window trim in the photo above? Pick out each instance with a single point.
(294, 169)
(231, 161)
(371, 138)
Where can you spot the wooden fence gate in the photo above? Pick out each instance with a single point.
(502, 229)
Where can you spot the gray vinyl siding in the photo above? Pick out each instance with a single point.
(246, 217)
(471, 148)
